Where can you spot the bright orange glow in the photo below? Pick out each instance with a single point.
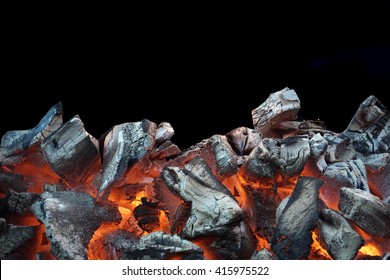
(262, 243)
(164, 222)
(204, 243)
(317, 251)
(370, 248)
(96, 250)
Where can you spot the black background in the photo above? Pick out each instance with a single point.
(202, 78)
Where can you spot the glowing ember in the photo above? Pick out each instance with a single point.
(253, 193)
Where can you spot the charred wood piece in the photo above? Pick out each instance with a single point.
(20, 203)
(72, 153)
(350, 174)
(11, 181)
(159, 246)
(212, 211)
(220, 157)
(280, 106)
(263, 254)
(166, 150)
(70, 219)
(294, 153)
(124, 146)
(369, 129)
(366, 210)
(14, 237)
(237, 242)
(293, 235)
(318, 147)
(14, 143)
(164, 132)
(340, 239)
(340, 148)
(147, 216)
(262, 161)
(243, 140)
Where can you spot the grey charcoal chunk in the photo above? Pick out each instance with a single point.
(280, 106)
(376, 163)
(263, 255)
(220, 157)
(293, 236)
(369, 129)
(11, 181)
(14, 237)
(212, 211)
(341, 240)
(318, 146)
(71, 152)
(340, 148)
(243, 140)
(124, 146)
(70, 219)
(366, 210)
(262, 161)
(294, 153)
(20, 203)
(350, 174)
(15, 142)
(164, 132)
(158, 246)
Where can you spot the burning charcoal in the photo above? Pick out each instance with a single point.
(220, 157)
(280, 106)
(293, 237)
(369, 129)
(199, 171)
(366, 210)
(124, 146)
(263, 212)
(164, 132)
(72, 153)
(14, 237)
(212, 211)
(376, 163)
(111, 245)
(341, 240)
(339, 149)
(177, 209)
(165, 150)
(351, 174)
(280, 208)
(14, 143)
(243, 140)
(294, 153)
(318, 146)
(20, 203)
(263, 254)
(237, 242)
(70, 219)
(379, 177)
(147, 216)
(11, 181)
(158, 246)
(262, 161)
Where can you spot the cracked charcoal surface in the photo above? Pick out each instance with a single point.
(70, 219)
(159, 245)
(124, 146)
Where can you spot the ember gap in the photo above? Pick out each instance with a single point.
(284, 189)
